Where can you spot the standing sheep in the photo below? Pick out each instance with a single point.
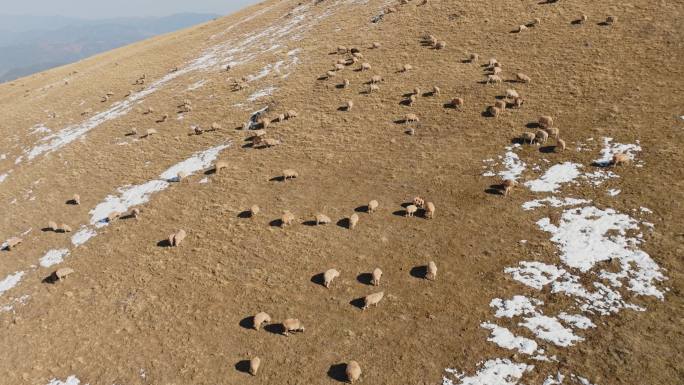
(349, 105)
(345, 83)
(220, 165)
(507, 185)
(286, 219)
(322, 219)
(253, 211)
(329, 276)
(353, 220)
(410, 118)
(372, 206)
(620, 159)
(176, 238)
(522, 78)
(545, 121)
(366, 67)
(61, 273)
(292, 325)
(372, 299)
(473, 58)
(353, 371)
(76, 199)
(500, 104)
(430, 210)
(436, 91)
(410, 210)
(291, 114)
(290, 174)
(52, 226)
(553, 132)
(560, 145)
(541, 137)
(259, 319)
(457, 103)
(254, 364)
(376, 79)
(406, 68)
(494, 79)
(511, 94)
(431, 274)
(373, 88)
(493, 111)
(440, 45)
(376, 275)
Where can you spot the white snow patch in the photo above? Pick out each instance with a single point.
(82, 236)
(261, 93)
(10, 281)
(549, 329)
(514, 166)
(576, 320)
(499, 371)
(613, 192)
(196, 85)
(53, 257)
(554, 177)
(507, 340)
(553, 202)
(71, 380)
(610, 149)
(554, 380)
(518, 305)
(3, 177)
(535, 274)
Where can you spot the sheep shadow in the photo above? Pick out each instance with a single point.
(47, 229)
(127, 216)
(310, 223)
(408, 94)
(344, 223)
(495, 189)
(322, 77)
(486, 114)
(513, 81)
(365, 278)
(547, 149)
(274, 328)
(50, 279)
(419, 271)
(519, 141)
(339, 86)
(358, 302)
(245, 214)
(400, 213)
(338, 372)
(72, 202)
(343, 108)
(405, 102)
(318, 279)
(247, 322)
(210, 171)
(276, 223)
(603, 23)
(242, 366)
(532, 125)
(130, 134)
(164, 243)
(248, 145)
(576, 22)
(279, 178)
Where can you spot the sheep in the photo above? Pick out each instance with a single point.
(496, 70)
(52, 226)
(220, 165)
(290, 174)
(406, 68)
(12, 243)
(176, 238)
(290, 114)
(135, 213)
(620, 159)
(339, 67)
(292, 325)
(518, 102)
(410, 210)
(345, 83)
(330, 74)
(366, 67)
(286, 219)
(150, 132)
(373, 206)
(521, 28)
(536, 21)
(281, 117)
(507, 185)
(440, 45)
(269, 142)
(375, 45)
(113, 216)
(416, 91)
(419, 202)
(342, 50)
(376, 79)
(376, 275)
(492, 79)
(411, 100)
(329, 276)
(76, 199)
(182, 175)
(493, 111)
(196, 130)
(372, 300)
(560, 145)
(259, 319)
(373, 88)
(357, 55)
(430, 40)
(583, 19)
(512, 94)
(541, 137)
(500, 104)
(611, 20)
(410, 118)
(353, 220)
(431, 273)
(527, 137)
(545, 121)
(553, 131)
(61, 273)
(492, 63)
(522, 78)
(457, 103)
(430, 210)
(148, 111)
(322, 219)
(254, 365)
(341, 61)
(349, 105)
(63, 228)
(353, 371)
(473, 58)
(436, 91)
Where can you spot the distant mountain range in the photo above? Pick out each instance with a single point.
(30, 44)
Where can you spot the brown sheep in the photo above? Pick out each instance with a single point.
(507, 186)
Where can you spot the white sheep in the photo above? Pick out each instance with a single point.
(411, 99)
(182, 175)
(492, 63)
(135, 213)
(436, 91)
(518, 102)
(176, 238)
(62, 273)
(353, 371)
(339, 67)
(376, 79)
(254, 364)
(269, 142)
(431, 271)
(553, 131)
(527, 137)
(291, 114)
(342, 49)
(493, 111)
(113, 216)
(372, 299)
(63, 228)
(52, 226)
(560, 145)
(620, 159)
(254, 211)
(220, 165)
(366, 67)
(372, 206)
(522, 78)
(406, 68)
(457, 102)
(473, 58)
(150, 132)
(440, 45)
(410, 118)
(286, 219)
(508, 185)
(322, 219)
(373, 88)
(329, 276)
(512, 94)
(540, 137)
(376, 275)
(410, 210)
(375, 45)
(290, 174)
(496, 70)
(259, 319)
(345, 83)
(545, 121)
(521, 28)
(353, 220)
(429, 210)
(292, 325)
(419, 202)
(416, 91)
(500, 104)
(349, 105)
(494, 79)
(76, 199)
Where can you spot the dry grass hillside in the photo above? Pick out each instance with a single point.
(573, 277)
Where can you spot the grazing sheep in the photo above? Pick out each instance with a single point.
(259, 319)
(410, 210)
(545, 121)
(135, 213)
(254, 210)
(553, 131)
(13, 242)
(536, 21)
(430, 210)
(376, 275)
(436, 91)
(345, 83)
(611, 20)
(286, 219)
(560, 145)
(416, 91)
(269, 142)
(329, 276)
(492, 63)
(254, 365)
(376, 79)
(406, 68)
(410, 118)
(430, 40)
(330, 74)
(522, 78)
(177, 238)
(508, 185)
(440, 45)
(541, 137)
(419, 202)
(500, 104)
(281, 117)
(322, 219)
(63, 228)
(372, 206)
(527, 137)
(518, 102)
(349, 105)
(372, 299)
(411, 100)
(76, 199)
(52, 226)
(62, 273)
(353, 371)
(358, 55)
(620, 159)
(431, 271)
(290, 174)
(353, 220)
(373, 88)
(366, 67)
(148, 111)
(492, 79)
(220, 165)
(496, 70)
(292, 325)
(521, 28)
(473, 58)
(290, 114)
(512, 94)
(493, 111)
(457, 102)
(375, 45)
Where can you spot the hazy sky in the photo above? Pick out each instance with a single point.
(98, 9)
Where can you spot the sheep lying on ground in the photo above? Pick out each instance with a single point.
(329, 276)
(353, 371)
(372, 299)
(259, 319)
(177, 238)
(376, 275)
(292, 325)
